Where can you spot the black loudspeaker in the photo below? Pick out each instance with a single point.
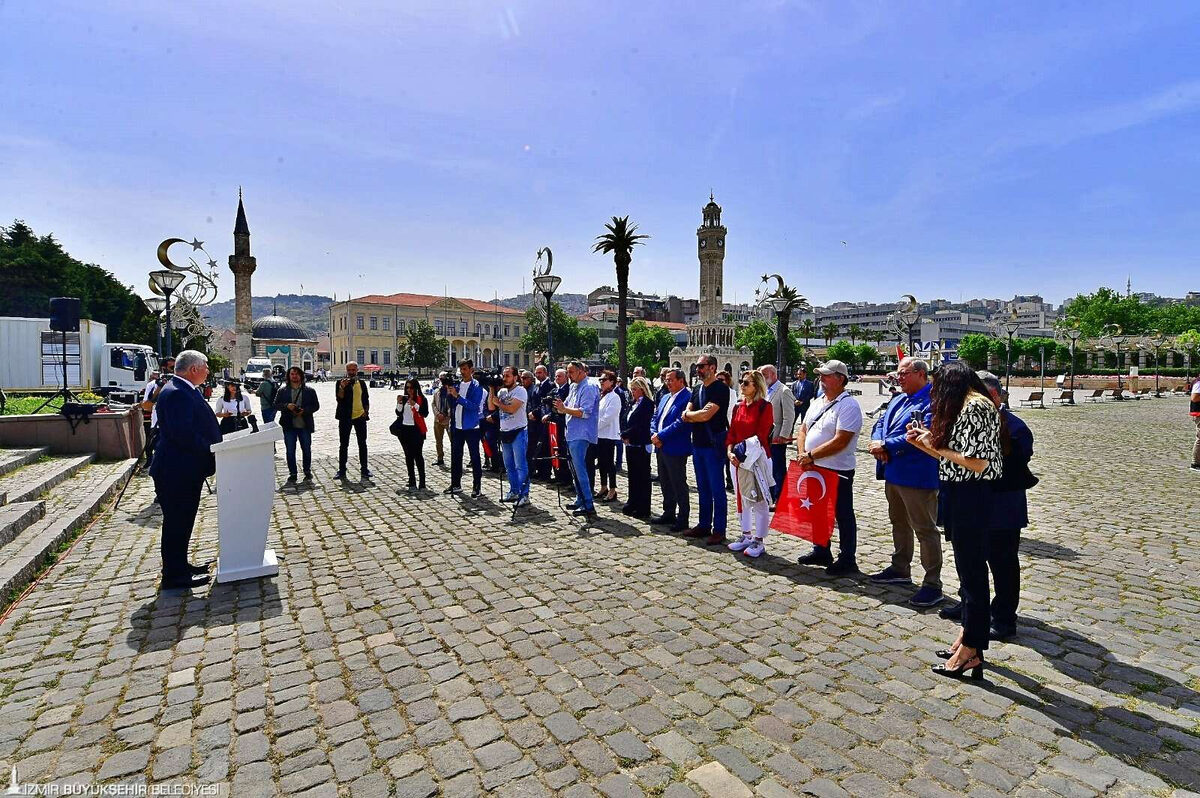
(64, 314)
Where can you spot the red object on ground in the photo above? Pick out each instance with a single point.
(806, 505)
(553, 444)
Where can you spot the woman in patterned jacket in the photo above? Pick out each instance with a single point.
(965, 439)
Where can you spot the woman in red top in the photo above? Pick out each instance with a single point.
(752, 419)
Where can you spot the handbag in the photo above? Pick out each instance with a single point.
(420, 423)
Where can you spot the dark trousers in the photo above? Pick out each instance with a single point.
(710, 465)
(843, 514)
(966, 507)
(539, 448)
(292, 434)
(778, 468)
(180, 500)
(360, 432)
(672, 480)
(469, 438)
(606, 452)
(637, 461)
(412, 442)
(1006, 575)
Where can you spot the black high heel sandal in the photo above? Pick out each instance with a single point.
(945, 653)
(960, 673)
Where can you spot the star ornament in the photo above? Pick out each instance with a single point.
(197, 244)
(806, 503)
(212, 263)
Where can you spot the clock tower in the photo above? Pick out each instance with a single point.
(710, 242)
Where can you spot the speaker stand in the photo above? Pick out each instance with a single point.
(65, 391)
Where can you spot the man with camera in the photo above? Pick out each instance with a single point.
(511, 401)
(442, 407)
(581, 408)
(910, 485)
(353, 412)
(466, 398)
(187, 428)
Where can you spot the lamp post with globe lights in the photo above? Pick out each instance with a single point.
(166, 281)
(1114, 335)
(1069, 329)
(546, 284)
(783, 300)
(1154, 342)
(156, 305)
(1008, 327)
(908, 314)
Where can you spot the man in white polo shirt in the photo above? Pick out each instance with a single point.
(826, 438)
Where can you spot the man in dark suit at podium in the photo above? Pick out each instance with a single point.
(182, 459)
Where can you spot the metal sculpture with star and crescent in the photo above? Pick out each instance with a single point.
(193, 293)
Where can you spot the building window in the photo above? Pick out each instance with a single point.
(399, 325)
(358, 322)
(517, 330)
(387, 323)
(374, 322)
(506, 359)
(438, 324)
(505, 330)
(526, 360)
(361, 356)
(463, 328)
(478, 327)
(374, 357)
(387, 357)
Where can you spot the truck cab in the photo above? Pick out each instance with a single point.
(256, 368)
(125, 368)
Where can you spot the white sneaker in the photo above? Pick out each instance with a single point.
(756, 548)
(742, 543)
(522, 501)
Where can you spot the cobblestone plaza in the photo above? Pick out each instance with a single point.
(423, 645)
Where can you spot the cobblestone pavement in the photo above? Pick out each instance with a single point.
(421, 645)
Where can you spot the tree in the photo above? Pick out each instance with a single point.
(760, 337)
(842, 351)
(973, 348)
(855, 331)
(570, 340)
(646, 342)
(807, 329)
(829, 332)
(865, 354)
(619, 241)
(1188, 342)
(424, 349)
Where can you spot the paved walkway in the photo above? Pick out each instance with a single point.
(421, 645)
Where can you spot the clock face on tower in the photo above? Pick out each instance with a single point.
(720, 243)
(703, 243)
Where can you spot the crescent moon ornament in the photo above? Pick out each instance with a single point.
(912, 302)
(812, 475)
(162, 253)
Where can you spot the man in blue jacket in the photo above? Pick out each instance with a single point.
(672, 437)
(910, 484)
(182, 459)
(465, 401)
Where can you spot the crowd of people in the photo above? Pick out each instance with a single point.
(948, 449)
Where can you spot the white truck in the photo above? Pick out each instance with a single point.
(31, 359)
(256, 367)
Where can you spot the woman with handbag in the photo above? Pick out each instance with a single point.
(232, 408)
(749, 442)
(410, 427)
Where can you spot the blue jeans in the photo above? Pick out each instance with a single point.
(268, 414)
(290, 435)
(579, 458)
(516, 465)
(710, 463)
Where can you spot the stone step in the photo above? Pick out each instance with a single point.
(31, 481)
(12, 459)
(15, 518)
(69, 506)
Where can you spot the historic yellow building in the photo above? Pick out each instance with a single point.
(373, 330)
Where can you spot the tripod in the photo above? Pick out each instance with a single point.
(65, 391)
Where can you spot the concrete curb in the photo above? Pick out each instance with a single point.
(18, 568)
(14, 518)
(68, 468)
(21, 458)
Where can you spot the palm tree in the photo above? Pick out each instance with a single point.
(855, 331)
(829, 332)
(807, 328)
(619, 241)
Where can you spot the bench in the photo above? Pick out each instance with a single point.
(1064, 398)
(1115, 394)
(1180, 390)
(1035, 398)
(1095, 396)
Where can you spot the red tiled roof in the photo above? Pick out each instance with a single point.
(425, 300)
(670, 325)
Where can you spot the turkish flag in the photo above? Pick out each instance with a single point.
(553, 443)
(806, 505)
(899, 353)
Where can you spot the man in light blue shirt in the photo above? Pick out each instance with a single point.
(581, 408)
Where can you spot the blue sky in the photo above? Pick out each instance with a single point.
(959, 149)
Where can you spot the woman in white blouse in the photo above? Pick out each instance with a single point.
(231, 407)
(608, 436)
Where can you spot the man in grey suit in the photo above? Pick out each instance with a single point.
(783, 409)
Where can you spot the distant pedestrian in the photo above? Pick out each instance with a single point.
(804, 390)
(266, 397)
(353, 412)
(296, 403)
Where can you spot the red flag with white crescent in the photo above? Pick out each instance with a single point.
(553, 443)
(806, 505)
(899, 353)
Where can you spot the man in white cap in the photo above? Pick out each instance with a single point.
(826, 438)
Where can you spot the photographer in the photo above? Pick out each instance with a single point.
(232, 408)
(465, 400)
(511, 401)
(353, 412)
(442, 407)
(296, 403)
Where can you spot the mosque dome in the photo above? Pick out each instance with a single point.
(278, 328)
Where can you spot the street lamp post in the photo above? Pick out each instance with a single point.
(1008, 327)
(782, 306)
(1116, 336)
(909, 314)
(547, 284)
(1157, 341)
(156, 305)
(1070, 330)
(166, 281)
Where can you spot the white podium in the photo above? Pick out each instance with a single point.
(245, 493)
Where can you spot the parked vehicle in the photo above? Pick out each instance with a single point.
(256, 368)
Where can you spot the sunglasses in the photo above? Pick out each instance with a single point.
(747, 382)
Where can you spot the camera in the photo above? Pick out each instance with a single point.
(448, 380)
(917, 417)
(489, 379)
